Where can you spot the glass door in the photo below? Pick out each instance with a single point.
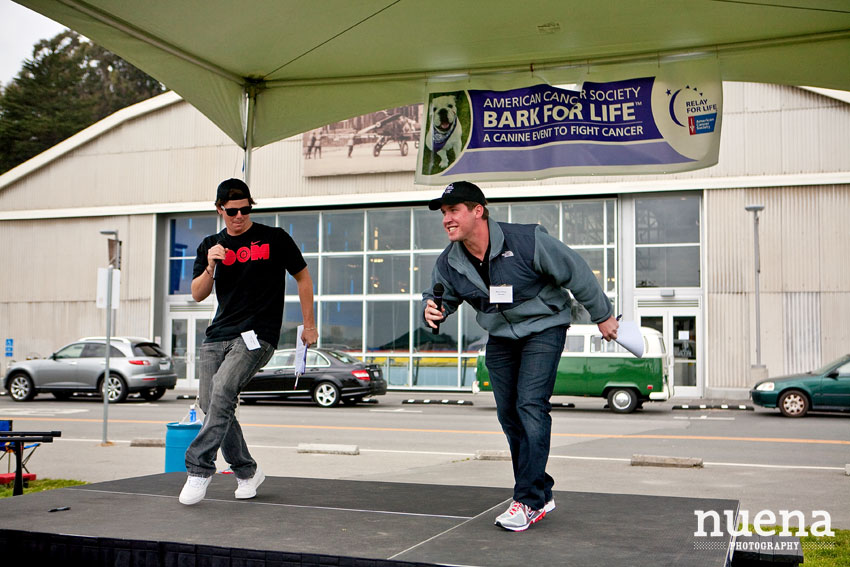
(680, 327)
(187, 334)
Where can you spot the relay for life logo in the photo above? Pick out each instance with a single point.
(695, 107)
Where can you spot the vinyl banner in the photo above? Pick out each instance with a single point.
(666, 122)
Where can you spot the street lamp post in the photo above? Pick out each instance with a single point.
(755, 209)
(106, 374)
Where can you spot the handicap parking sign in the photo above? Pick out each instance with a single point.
(10, 347)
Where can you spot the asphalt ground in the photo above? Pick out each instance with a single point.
(767, 462)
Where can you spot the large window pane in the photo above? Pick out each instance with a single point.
(394, 368)
(545, 214)
(611, 220)
(611, 277)
(303, 228)
(342, 325)
(424, 339)
(667, 220)
(343, 231)
(342, 275)
(389, 230)
(667, 267)
(180, 276)
(268, 220)
(423, 266)
(388, 326)
(388, 274)
(428, 232)
(583, 223)
(498, 213)
(292, 317)
(188, 232)
(313, 267)
(434, 371)
(594, 259)
(474, 337)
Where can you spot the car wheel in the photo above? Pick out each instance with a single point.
(62, 396)
(21, 388)
(116, 389)
(622, 400)
(153, 394)
(326, 394)
(352, 401)
(793, 403)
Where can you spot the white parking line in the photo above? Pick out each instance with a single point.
(705, 418)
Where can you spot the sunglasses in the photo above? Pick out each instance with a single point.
(244, 210)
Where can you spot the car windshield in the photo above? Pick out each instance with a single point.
(827, 367)
(148, 349)
(342, 357)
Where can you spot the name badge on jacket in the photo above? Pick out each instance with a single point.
(501, 294)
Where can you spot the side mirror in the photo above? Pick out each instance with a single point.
(833, 374)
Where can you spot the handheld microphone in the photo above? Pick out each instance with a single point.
(438, 299)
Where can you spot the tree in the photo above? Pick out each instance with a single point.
(69, 84)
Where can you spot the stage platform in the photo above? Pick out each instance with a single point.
(300, 521)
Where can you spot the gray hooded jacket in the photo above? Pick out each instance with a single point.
(538, 266)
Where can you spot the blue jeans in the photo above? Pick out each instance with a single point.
(225, 368)
(522, 372)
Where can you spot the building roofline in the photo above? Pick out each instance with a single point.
(422, 195)
(86, 135)
(843, 96)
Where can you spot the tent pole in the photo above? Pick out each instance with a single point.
(251, 101)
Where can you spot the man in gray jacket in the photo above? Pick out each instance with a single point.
(515, 277)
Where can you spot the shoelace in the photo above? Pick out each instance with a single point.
(197, 481)
(516, 507)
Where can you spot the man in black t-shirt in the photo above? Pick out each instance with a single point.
(247, 262)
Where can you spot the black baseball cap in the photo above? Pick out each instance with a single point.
(222, 194)
(458, 192)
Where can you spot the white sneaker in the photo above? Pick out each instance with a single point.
(248, 486)
(549, 506)
(195, 489)
(519, 517)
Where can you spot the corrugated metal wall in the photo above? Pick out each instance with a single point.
(49, 283)
(804, 280)
(176, 155)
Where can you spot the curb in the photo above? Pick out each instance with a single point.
(713, 406)
(429, 401)
(147, 443)
(657, 461)
(328, 449)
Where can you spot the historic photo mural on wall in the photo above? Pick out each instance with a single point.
(383, 141)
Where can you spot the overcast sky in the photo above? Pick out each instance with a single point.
(20, 29)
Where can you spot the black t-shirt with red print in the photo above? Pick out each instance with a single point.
(250, 283)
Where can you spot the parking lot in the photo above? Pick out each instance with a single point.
(758, 457)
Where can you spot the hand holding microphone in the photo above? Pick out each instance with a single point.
(438, 305)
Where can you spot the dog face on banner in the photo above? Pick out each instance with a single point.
(446, 131)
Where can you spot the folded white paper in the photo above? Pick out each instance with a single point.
(300, 353)
(629, 337)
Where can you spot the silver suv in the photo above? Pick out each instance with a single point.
(136, 365)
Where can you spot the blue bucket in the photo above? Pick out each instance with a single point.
(177, 439)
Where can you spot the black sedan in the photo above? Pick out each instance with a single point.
(330, 377)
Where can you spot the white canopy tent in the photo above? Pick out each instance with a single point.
(268, 69)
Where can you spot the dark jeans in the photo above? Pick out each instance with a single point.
(522, 372)
(225, 368)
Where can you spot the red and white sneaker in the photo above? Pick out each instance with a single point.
(519, 517)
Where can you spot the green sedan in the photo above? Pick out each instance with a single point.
(825, 389)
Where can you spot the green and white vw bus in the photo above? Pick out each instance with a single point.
(593, 367)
